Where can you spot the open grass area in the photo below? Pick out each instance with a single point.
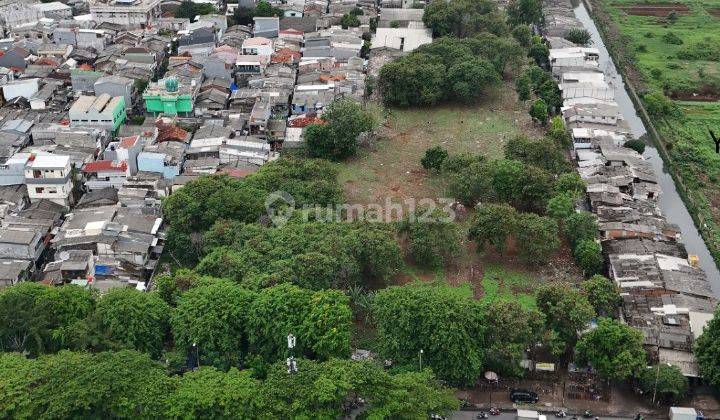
(688, 72)
(392, 167)
(503, 283)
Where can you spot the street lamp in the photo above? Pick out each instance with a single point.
(421, 353)
(197, 354)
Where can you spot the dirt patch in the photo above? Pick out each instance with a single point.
(714, 11)
(656, 9)
(706, 93)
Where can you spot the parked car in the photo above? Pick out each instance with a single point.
(523, 396)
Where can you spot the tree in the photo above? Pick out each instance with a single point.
(665, 382)
(136, 319)
(510, 330)
(707, 350)
(522, 87)
(337, 140)
(524, 12)
(320, 321)
(349, 21)
(225, 262)
(558, 133)
(588, 255)
(141, 85)
(415, 79)
(493, 223)
(561, 206)
(566, 309)
(603, 295)
(540, 53)
(536, 238)
(211, 393)
(635, 144)
(542, 153)
(36, 318)
(464, 18)
(243, 16)
(425, 317)
(580, 226)
(171, 286)
(614, 350)
(213, 317)
(434, 158)
(189, 9)
(570, 182)
(539, 111)
(433, 242)
(579, 36)
(124, 384)
(471, 78)
(265, 9)
(413, 395)
(658, 105)
(523, 35)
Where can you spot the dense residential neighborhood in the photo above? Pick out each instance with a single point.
(344, 209)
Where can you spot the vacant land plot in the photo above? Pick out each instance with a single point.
(678, 54)
(502, 283)
(391, 169)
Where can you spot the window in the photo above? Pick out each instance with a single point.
(37, 174)
(52, 190)
(39, 190)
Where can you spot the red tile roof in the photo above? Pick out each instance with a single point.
(126, 142)
(105, 166)
(285, 55)
(169, 132)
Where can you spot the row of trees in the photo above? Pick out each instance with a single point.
(493, 334)
(229, 325)
(128, 384)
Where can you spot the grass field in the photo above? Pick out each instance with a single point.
(392, 168)
(653, 63)
(502, 283)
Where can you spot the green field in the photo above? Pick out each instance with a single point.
(501, 283)
(687, 72)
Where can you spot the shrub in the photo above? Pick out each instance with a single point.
(672, 38)
(656, 73)
(636, 145)
(434, 158)
(578, 36)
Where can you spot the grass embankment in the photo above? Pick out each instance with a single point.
(688, 71)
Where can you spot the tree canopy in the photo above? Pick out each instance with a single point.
(566, 309)
(665, 381)
(707, 350)
(613, 349)
(337, 137)
(603, 295)
(464, 18)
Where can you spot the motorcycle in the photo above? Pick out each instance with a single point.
(495, 411)
(561, 414)
(587, 414)
(481, 415)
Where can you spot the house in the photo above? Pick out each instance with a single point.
(14, 271)
(83, 79)
(258, 46)
(49, 177)
(198, 42)
(96, 39)
(103, 111)
(127, 13)
(312, 98)
(12, 170)
(54, 10)
(125, 150)
(116, 86)
(399, 18)
(24, 88)
(15, 57)
(15, 13)
(250, 64)
(26, 244)
(402, 39)
(164, 158)
(169, 97)
(105, 173)
(267, 27)
(74, 266)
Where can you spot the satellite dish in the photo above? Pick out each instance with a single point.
(64, 256)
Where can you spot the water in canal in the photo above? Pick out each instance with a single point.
(670, 201)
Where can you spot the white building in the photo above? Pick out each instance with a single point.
(402, 39)
(258, 46)
(15, 13)
(132, 13)
(103, 111)
(20, 87)
(50, 10)
(49, 177)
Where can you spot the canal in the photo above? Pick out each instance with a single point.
(670, 202)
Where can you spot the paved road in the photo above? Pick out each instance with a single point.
(471, 415)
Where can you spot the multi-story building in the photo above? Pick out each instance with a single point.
(102, 111)
(49, 177)
(132, 13)
(169, 97)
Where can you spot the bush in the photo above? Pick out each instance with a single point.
(667, 381)
(539, 111)
(672, 38)
(434, 158)
(588, 255)
(349, 21)
(636, 145)
(658, 105)
(578, 36)
(656, 73)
